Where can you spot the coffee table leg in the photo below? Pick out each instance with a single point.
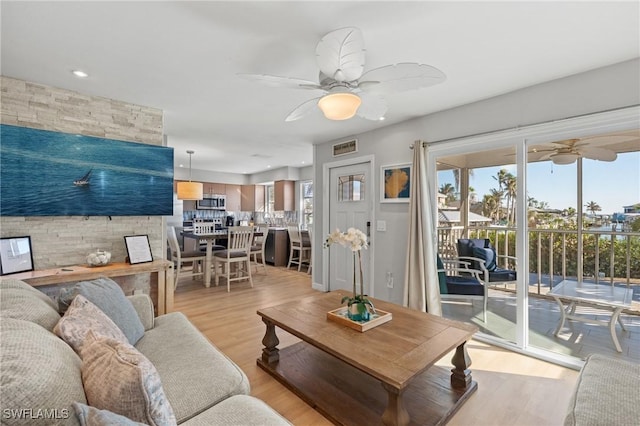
(270, 341)
(461, 375)
(395, 414)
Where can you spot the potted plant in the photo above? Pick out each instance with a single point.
(359, 308)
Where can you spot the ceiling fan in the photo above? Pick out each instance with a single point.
(569, 150)
(346, 89)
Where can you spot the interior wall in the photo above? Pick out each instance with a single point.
(65, 240)
(612, 87)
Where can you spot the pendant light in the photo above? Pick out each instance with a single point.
(190, 190)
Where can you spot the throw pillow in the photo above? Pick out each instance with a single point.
(91, 416)
(488, 255)
(21, 301)
(107, 295)
(84, 322)
(118, 378)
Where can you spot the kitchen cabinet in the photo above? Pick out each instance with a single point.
(276, 249)
(283, 196)
(252, 198)
(234, 197)
(213, 188)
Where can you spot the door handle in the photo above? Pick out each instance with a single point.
(369, 232)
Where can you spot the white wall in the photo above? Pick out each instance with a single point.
(603, 89)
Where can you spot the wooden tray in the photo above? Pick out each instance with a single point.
(340, 316)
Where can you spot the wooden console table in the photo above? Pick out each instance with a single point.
(73, 273)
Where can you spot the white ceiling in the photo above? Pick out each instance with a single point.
(184, 57)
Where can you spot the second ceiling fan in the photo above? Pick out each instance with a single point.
(345, 89)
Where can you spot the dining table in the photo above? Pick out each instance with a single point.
(211, 238)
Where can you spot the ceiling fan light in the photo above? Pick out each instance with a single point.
(339, 106)
(564, 158)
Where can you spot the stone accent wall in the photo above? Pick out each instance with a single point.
(66, 240)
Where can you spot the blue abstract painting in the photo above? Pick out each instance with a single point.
(45, 173)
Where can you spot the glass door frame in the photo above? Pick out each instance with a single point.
(520, 139)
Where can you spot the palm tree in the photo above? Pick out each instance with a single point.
(448, 190)
(511, 190)
(593, 207)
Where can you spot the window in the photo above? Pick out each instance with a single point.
(270, 202)
(351, 188)
(307, 204)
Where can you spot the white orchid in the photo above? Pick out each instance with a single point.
(354, 239)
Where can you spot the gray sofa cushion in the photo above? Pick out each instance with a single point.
(606, 393)
(195, 375)
(239, 410)
(91, 416)
(19, 300)
(39, 371)
(107, 295)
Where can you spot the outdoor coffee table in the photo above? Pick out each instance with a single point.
(383, 375)
(601, 296)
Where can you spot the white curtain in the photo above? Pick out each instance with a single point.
(421, 288)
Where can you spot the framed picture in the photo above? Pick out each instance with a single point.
(15, 255)
(395, 183)
(138, 249)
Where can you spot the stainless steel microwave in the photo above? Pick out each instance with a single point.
(212, 202)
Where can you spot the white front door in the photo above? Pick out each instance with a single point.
(350, 201)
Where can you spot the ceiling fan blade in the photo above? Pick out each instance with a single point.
(340, 54)
(276, 81)
(546, 156)
(400, 77)
(598, 154)
(373, 107)
(302, 109)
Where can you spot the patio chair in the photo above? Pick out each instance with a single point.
(482, 256)
(457, 280)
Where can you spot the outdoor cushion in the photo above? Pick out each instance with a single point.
(500, 274)
(39, 371)
(464, 286)
(486, 254)
(442, 277)
(107, 295)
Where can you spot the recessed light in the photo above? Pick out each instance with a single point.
(181, 165)
(303, 162)
(268, 167)
(80, 74)
(381, 118)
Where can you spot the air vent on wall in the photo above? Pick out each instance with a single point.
(347, 147)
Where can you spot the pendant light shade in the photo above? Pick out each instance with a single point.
(339, 106)
(189, 190)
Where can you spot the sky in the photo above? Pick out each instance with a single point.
(610, 184)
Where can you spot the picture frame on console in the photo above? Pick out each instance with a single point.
(138, 249)
(15, 255)
(395, 183)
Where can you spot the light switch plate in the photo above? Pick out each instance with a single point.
(381, 225)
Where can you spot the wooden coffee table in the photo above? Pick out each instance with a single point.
(385, 375)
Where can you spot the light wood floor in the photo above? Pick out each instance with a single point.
(513, 389)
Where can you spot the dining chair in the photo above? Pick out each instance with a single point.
(195, 258)
(258, 246)
(297, 245)
(310, 252)
(236, 254)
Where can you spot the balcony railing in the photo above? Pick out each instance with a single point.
(607, 256)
